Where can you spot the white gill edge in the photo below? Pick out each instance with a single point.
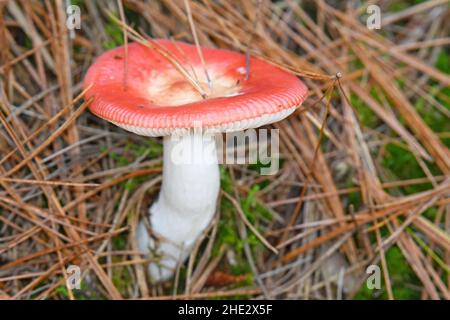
(227, 127)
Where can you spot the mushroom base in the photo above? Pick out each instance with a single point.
(186, 203)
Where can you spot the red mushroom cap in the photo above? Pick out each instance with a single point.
(159, 100)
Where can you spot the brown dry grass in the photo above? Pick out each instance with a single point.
(63, 199)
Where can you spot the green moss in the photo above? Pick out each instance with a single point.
(396, 6)
(228, 233)
(77, 293)
(403, 165)
(121, 278)
(443, 62)
(114, 33)
(366, 116)
(151, 149)
(252, 208)
(437, 121)
(354, 198)
(402, 276)
(403, 280)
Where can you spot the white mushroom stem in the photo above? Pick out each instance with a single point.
(186, 203)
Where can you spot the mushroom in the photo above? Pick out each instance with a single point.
(157, 100)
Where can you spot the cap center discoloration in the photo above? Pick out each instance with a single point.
(172, 89)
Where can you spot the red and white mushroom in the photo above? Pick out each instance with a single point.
(158, 100)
